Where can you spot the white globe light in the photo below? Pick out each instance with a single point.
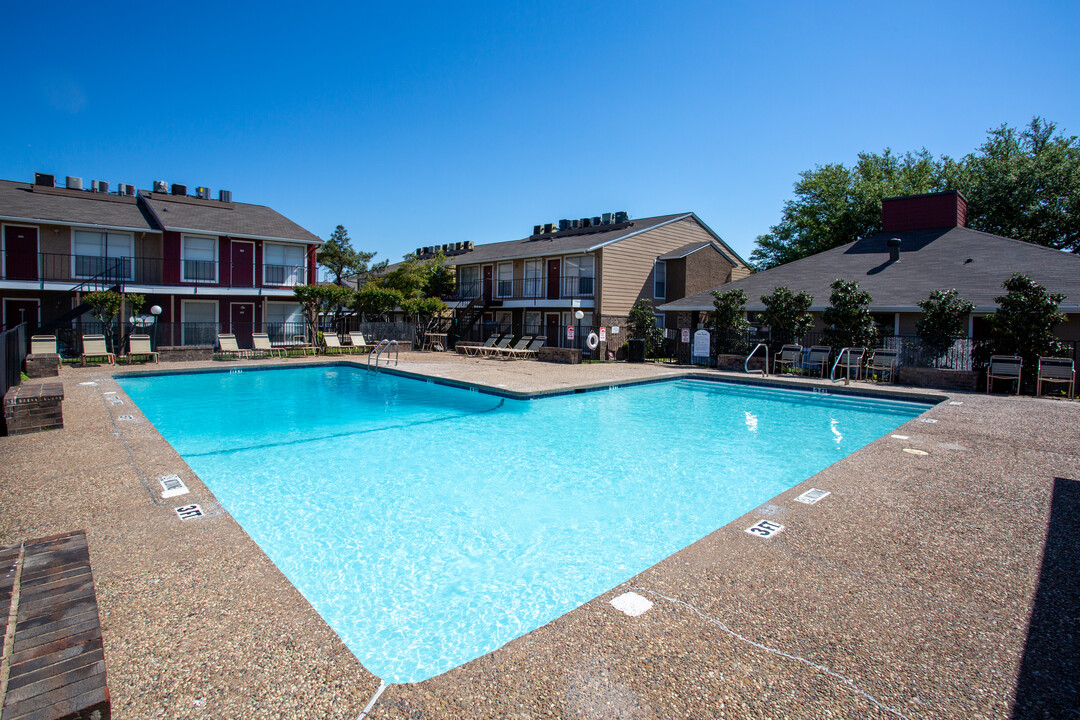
(579, 314)
(156, 310)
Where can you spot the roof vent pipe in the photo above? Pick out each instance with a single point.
(894, 249)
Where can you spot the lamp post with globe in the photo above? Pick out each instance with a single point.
(155, 311)
(578, 316)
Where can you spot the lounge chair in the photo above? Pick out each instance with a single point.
(1057, 370)
(139, 346)
(789, 356)
(819, 358)
(299, 342)
(43, 345)
(358, 341)
(884, 362)
(497, 348)
(533, 348)
(264, 347)
(851, 359)
(1004, 367)
(332, 343)
(512, 350)
(94, 347)
(227, 346)
(478, 349)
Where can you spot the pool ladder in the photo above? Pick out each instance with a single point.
(847, 375)
(746, 365)
(384, 345)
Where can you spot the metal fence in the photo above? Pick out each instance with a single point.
(12, 355)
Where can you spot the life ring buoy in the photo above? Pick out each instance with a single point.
(592, 341)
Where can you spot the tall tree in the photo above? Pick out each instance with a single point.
(835, 204)
(847, 319)
(786, 314)
(1025, 184)
(342, 260)
(1019, 183)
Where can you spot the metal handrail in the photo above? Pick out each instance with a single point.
(847, 376)
(378, 351)
(746, 365)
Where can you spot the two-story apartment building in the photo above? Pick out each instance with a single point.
(599, 266)
(210, 265)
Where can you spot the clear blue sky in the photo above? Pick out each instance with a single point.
(413, 124)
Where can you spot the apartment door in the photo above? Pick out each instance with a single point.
(552, 328)
(488, 282)
(17, 310)
(553, 279)
(20, 253)
(241, 322)
(243, 264)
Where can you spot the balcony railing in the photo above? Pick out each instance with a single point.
(68, 268)
(536, 289)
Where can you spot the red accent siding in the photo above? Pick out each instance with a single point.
(924, 212)
(171, 253)
(258, 263)
(311, 262)
(224, 260)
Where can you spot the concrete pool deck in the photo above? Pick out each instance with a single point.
(941, 585)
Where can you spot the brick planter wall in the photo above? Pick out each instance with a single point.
(34, 407)
(938, 378)
(42, 365)
(737, 363)
(175, 353)
(566, 356)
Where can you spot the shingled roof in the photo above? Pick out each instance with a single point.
(187, 214)
(23, 202)
(974, 263)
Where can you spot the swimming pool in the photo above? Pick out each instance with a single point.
(429, 524)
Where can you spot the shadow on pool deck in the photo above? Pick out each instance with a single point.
(1049, 682)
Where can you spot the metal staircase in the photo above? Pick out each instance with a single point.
(467, 317)
(59, 310)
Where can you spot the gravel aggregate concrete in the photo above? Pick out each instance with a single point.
(916, 589)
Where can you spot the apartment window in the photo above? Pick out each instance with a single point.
(95, 252)
(534, 278)
(470, 281)
(532, 323)
(506, 280)
(200, 322)
(283, 320)
(660, 280)
(200, 258)
(578, 274)
(659, 320)
(504, 321)
(283, 264)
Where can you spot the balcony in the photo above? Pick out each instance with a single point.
(152, 271)
(538, 290)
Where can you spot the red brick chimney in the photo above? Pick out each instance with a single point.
(924, 212)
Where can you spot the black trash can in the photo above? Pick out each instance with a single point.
(635, 351)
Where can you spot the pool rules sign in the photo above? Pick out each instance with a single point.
(701, 347)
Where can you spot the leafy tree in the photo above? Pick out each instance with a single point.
(835, 204)
(1025, 184)
(1019, 183)
(944, 317)
(415, 278)
(339, 257)
(787, 314)
(106, 307)
(1024, 322)
(320, 300)
(373, 301)
(848, 322)
(641, 325)
(728, 321)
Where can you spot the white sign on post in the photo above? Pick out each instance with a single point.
(686, 335)
(603, 334)
(614, 329)
(701, 344)
(569, 332)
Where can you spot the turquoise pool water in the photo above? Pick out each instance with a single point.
(429, 525)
